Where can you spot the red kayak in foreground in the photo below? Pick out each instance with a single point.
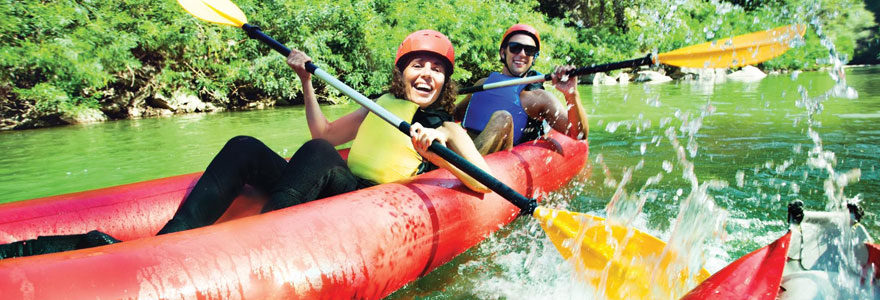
(754, 276)
(808, 262)
(363, 244)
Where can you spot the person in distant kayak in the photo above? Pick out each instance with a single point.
(422, 91)
(500, 118)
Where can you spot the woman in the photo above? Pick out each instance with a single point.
(421, 91)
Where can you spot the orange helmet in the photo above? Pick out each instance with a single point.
(522, 28)
(426, 41)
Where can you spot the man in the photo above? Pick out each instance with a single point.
(500, 118)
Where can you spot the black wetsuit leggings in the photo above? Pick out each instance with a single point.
(315, 171)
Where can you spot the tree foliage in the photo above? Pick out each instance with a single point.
(63, 55)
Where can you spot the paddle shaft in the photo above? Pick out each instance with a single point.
(632, 63)
(527, 206)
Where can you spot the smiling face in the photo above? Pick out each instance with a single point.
(517, 63)
(423, 79)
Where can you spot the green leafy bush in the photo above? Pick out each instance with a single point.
(60, 56)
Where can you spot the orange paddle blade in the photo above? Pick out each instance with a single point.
(747, 49)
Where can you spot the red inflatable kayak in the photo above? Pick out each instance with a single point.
(364, 244)
(756, 275)
(873, 259)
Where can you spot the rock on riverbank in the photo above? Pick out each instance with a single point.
(21, 114)
(747, 73)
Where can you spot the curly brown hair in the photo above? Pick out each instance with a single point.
(446, 100)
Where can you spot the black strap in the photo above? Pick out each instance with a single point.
(430, 118)
(534, 85)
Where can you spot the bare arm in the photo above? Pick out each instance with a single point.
(542, 105)
(337, 132)
(454, 137)
(576, 115)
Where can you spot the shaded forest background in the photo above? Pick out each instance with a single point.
(64, 59)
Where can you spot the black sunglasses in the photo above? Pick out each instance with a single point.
(515, 47)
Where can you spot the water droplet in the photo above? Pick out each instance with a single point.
(667, 166)
(740, 178)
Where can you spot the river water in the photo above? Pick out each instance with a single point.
(751, 140)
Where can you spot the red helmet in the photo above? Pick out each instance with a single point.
(521, 28)
(426, 41)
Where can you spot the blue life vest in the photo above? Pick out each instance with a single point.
(484, 103)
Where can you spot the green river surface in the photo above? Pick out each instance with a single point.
(752, 135)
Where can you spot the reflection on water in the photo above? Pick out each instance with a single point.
(51, 161)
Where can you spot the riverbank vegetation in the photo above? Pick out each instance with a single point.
(69, 61)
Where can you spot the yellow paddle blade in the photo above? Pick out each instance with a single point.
(620, 262)
(747, 49)
(215, 11)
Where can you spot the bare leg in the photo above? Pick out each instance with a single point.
(498, 134)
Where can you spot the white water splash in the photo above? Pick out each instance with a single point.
(699, 223)
(844, 274)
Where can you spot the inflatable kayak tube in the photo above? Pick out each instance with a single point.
(363, 244)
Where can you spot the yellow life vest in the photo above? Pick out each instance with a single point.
(380, 152)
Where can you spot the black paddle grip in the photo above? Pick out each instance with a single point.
(254, 32)
(471, 89)
(632, 63)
